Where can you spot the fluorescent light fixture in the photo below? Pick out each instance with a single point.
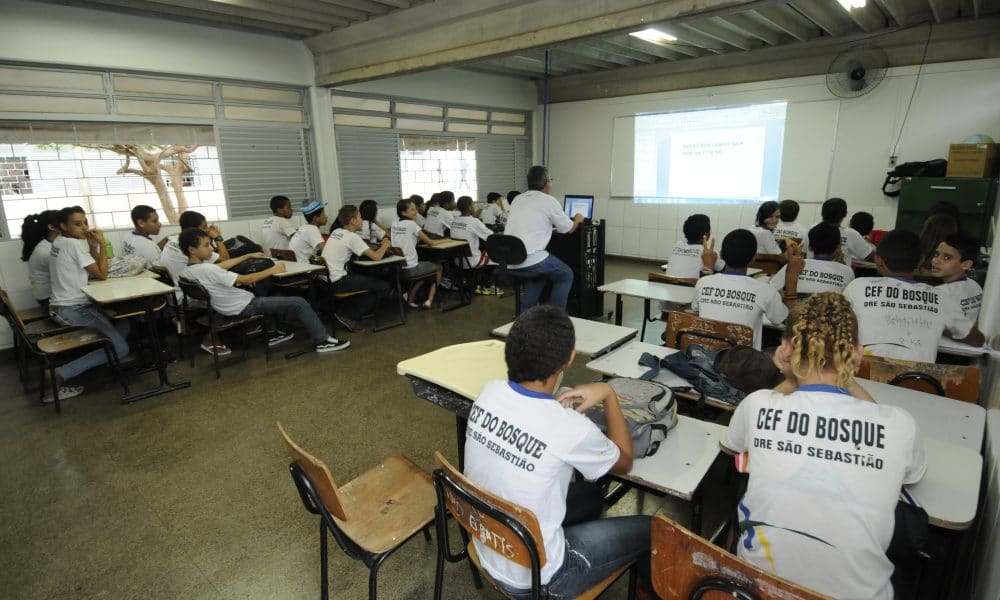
(849, 4)
(656, 36)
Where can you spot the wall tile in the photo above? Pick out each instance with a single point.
(613, 239)
(648, 243)
(630, 243)
(632, 216)
(615, 211)
(665, 243)
(649, 215)
(669, 217)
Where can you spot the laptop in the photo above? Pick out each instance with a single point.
(575, 204)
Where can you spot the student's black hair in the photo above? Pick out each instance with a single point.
(434, 200)
(35, 228)
(446, 200)
(417, 200)
(862, 222)
(492, 197)
(142, 213)
(279, 202)
(944, 207)
(368, 210)
(935, 229)
(900, 251)
(738, 248)
(765, 210)
(402, 206)
(967, 246)
(538, 176)
(345, 214)
(190, 218)
(789, 210)
(539, 344)
(511, 195)
(834, 210)
(190, 237)
(824, 238)
(67, 211)
(465, 205)
(696, 227)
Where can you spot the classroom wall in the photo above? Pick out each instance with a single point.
(457, 86)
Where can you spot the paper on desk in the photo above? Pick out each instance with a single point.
(990, 347)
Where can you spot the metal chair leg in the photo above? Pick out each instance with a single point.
(323, 568)
(215, 355)
(373, 575)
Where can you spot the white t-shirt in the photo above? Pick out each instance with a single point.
(404, 236)
(304, 242)
(854, 245)
(471, 230)
(490, 213)
(38, 270)
(175, 261)
(141, 245)
(227, 299)
(341, 247)
(371, 233)
(437, 220)
(531, 219)
(904, 319)
(823, 509)
(766, 244)
(791, 229)
(818, 275)
(968, 294)
(68, 261)
(738, 299)
(276, 232)
(685, 260)
(523, 446)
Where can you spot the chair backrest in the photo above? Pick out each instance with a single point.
(319, 476)
(661, 278)
(684, 329)
(958, 382)
(506, 249)
(283, 254)
(11, 311)
(686, 567)
(767, 265)
(162, 274)
(194, 290)
(509, 529)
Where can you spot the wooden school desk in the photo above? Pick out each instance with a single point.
(295, 268)
(751, 271)
(395, 264)
(109, 292)
(446, 253)
(593, 338)
(647, 290)
(452, 378)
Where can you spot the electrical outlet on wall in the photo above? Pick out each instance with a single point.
(892, 161)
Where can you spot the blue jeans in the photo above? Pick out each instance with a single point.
(280, 305)
(92, 317)
(594, 550)
(551, 269)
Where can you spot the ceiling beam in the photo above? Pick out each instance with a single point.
(787, 20)
(260, 10)
(644, 47)
(718, 32)
(395, 3)
(622, 51)
(585, 49)
(692, 38)
(830, 19)
(869, 18)
(744, 25)
(325, 8)
(365, 6)
(944, 10)
(560, 61)
(896, 11)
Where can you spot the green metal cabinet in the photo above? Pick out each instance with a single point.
(975, 198)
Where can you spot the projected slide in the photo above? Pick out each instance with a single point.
(726, 154)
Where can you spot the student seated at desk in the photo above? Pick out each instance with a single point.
(823, 272)
(788, 227)
(732, 297)
(418, 201)
(467, 227)
(863, 222)
(899, 317)
(439, 216)
(936, 228)
(341, 247)
(952, 261)
(686, 259)
(372, 230)
(405, 235)
(852, 245)
(37, 234)
(492, 213)
(277, 230)
(229, 300)
(307, 239)
(768, 214)
(77, 254)
(173, 259)
(580, 548)
(826, 467)
(139, 241)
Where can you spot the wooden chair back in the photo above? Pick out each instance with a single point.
(510, 527)
(283, 254)
(684, 329)
(958, 382)
(658, 277)
(319, 475)
(685, 566)
(769, 266)
(15, 318)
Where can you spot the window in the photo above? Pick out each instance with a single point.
(430, 164)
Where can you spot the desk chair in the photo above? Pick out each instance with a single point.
(33, 325)
(687, 567)
(300, 284)
(957, 382)
(338, 297)
(218, 323)
(371, 516)
(410, 282)
(515, 527)
(684, 329)
(770, 266)
(508, 250)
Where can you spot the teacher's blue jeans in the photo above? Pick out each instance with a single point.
(92, 317)
(551, 269)
(594, 550)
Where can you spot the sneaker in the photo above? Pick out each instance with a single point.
(447, 284)
(499, 293)
(332, 344)
(483, 291)
(65, 392)
(278, 337)
(352, 325)
(413, 305)
(219, 350)
(255, 330)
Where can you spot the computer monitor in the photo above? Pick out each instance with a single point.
(575, 204)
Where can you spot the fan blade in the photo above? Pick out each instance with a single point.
(857, 85)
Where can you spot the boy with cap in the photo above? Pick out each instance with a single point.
(308, 240)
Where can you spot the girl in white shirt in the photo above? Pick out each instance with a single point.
(37, 233)
(372, 230)
(405, 235)
(767, 219)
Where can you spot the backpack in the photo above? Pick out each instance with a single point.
(930, 168)
(252, 265)
(727, 375)
(650, 410)
(241, 245)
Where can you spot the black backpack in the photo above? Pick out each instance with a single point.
(930, 168)
(242, 245)
(252, 265)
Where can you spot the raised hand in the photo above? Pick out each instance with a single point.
(708, 254)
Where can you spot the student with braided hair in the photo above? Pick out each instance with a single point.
(826, 466)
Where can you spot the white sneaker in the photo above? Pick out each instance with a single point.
(65, 392)
(332, 344)
(279, 337)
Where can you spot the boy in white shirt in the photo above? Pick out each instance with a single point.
(308, 240)
(899, 317)
(492, 212)
(173, 258)
(534, 470)
(438, 219)
(139, 241)
(467, 227)
(788, 226)
(952, 261)
(732, 297)
(823, 272)
(852, 245)
(686, 260)
(229, 300)
(278, 229)
(405, 234)
(340, 249)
